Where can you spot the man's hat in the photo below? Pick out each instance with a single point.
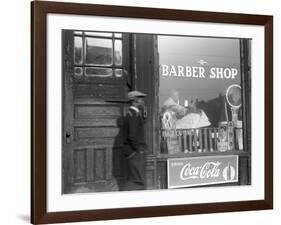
(135, 94)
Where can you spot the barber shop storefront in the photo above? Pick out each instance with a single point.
(197, 114)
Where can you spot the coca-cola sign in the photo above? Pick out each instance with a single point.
(199, 171)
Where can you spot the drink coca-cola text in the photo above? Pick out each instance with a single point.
(208, 170)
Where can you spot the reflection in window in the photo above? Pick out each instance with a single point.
(118, 72)
(78, 50)
(99, 51)
(98, 72)
(118, 52)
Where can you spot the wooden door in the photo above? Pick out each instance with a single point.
(95, 76)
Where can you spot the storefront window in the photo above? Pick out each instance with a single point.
(200, 98)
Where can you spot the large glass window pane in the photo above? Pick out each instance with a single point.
(118, 52)
(99, 51)
(98, 72)
(196, 113)
(78, 51)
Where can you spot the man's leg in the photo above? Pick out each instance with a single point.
(137, 170)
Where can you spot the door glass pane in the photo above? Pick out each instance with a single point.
(118, 72)
(101, 34)
(98, 72)
(78, 50)
(99, 51)
(78, 32)
(78, 72)
(118, 52)
(118, 35)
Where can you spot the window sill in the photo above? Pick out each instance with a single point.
(199, 154)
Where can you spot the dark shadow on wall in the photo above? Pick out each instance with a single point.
(120, 167)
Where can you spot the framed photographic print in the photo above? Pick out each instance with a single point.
(143, 112)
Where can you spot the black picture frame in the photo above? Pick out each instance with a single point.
(39, 11)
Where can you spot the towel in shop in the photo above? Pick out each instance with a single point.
(193, 120)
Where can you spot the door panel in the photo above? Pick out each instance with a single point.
(92, 129)
(98, 90)
(80, 165)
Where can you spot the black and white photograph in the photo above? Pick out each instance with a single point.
(154, 111)
(148, 112)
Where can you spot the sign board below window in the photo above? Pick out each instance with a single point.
(199, 171)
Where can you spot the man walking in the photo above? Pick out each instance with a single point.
(134, 142)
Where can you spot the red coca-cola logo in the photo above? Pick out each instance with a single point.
(208, 170)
